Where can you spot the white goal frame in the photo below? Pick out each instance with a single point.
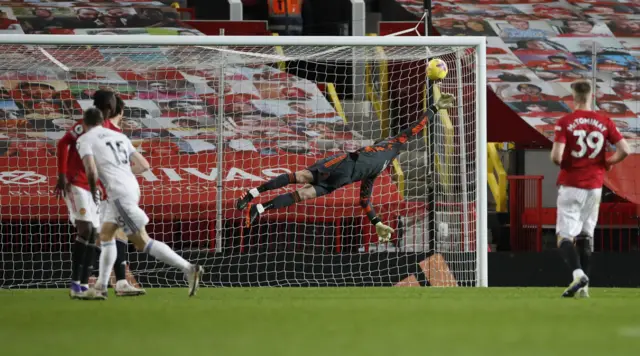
(479, 43)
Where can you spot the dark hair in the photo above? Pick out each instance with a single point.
(105, 101)
(581, 89)
(93, 117)
(119, 106)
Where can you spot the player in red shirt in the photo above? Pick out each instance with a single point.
(579, 149)
(84, 213)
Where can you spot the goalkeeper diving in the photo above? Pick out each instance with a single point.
(334, 172)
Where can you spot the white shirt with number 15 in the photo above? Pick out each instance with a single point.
(111, 151)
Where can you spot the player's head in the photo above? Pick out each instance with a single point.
(105, 101)
(582, 93)
(119, 112)
(93, 117)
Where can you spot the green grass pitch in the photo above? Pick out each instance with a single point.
(323, 322)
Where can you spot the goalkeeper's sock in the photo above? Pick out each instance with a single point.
(570, 255)
(120, 268)
(164, 253)
(278, 182)
(283, 201)
(77, 256)
(107, 259)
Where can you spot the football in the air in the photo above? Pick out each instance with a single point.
(437, 69)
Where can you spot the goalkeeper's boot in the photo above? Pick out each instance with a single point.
(253, 213)
(194, 275)
(577, 284)
(125, 289)
(77, 290)
(246, 198)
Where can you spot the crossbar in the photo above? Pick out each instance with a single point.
(358, 41)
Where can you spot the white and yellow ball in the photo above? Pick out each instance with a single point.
(437, 69)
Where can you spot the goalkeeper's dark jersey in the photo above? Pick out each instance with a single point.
(363, 165)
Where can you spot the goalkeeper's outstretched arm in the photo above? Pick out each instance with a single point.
(366, 187)
(445, 102)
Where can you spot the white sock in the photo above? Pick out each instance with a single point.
(578, 273)
(107, 260)
(164, 253)
(121, 283)
(254, 192)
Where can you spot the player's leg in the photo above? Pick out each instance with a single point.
(164, 253)
(81, 214)
(108, 255)
(133, 221)
(568, 226)
(300, 177)
(584, 241)
(123, 288)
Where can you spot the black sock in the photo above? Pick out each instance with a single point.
(282, 201)
(89, 259)
(570, 255)
(583, 246)
(77, 257)
(278, 182)
(120, 268)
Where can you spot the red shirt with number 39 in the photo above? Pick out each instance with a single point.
(585, 134)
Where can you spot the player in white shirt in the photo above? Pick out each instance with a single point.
(110, 156)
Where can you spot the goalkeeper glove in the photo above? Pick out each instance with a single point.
(445, 101)
(384, 232)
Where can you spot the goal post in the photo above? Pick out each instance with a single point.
(217, 116)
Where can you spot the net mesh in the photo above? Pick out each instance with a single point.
(215, 121)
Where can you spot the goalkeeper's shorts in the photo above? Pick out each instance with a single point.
(331, 173)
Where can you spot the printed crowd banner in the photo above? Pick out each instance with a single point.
(273, 122)
(536, 49)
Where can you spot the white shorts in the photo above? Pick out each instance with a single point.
(127, 215)
(81, 206)
(577, 211)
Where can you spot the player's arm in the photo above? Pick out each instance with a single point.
(445, 102)
(63, 157)
(86, 153)
(559, 142)
(622, 146)
(139, 164)
(366, 187)
(92, 176)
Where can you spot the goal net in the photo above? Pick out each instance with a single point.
(217, 116)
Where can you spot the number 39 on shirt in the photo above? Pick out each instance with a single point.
(592, 142)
